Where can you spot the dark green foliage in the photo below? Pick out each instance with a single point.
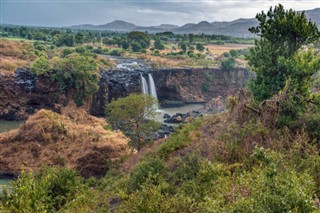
(145, 170)
(228, 64)
(183, 46)
(233, 53)
(40, 66)
(78, 73)
(141, 38)
(226, 54)
(79, 38)
(66, 52)
(136, 47)
(200, 47)
(50, 191)
(282, 33)
(65, 40)
(158, 44)
(134, 115)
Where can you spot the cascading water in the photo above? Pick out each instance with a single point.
(152, 87)
(144, 85)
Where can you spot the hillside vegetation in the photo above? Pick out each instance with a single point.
(260, 155)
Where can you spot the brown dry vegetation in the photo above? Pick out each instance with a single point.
(74, 139)
(14, 54)
(218, 50)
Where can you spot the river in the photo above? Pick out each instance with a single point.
(9, 125)
(173, 110)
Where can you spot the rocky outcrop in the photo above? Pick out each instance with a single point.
(22, 94)
(174, 86)
(197, 85)
(113, 85)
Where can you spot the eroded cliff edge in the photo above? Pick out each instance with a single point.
(22, 93)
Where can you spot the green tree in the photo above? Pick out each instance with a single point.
(78, 73)
(228, 64)
(79, 38)
(52, 190)
(40, 66)
(158, 44)
(135, 115)
(183, 46)
(140, 37)
(191, 38)
(282, 33)
(200, 47)
(233, 53)
(136, 47)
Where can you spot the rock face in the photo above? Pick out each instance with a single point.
(197, 85)
(174, 86)
(114, 85)
(23, 94)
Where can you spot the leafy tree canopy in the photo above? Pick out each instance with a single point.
(135, 115)
(282, 33)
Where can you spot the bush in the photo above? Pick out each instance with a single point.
(136, 47)
(40, 66)
(144, 171)
(52, 190)
(233, 53)
(226, 54)
(79, 73)
(66, 52)
(228, 64)
(115, 52)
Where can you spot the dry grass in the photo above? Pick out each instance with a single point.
(75, 139)
(218, 50)
(14, 54)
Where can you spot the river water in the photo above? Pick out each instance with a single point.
(173, 110)
(9, 125)
(3, 183)
(6, 126)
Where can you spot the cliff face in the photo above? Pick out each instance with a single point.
(174, 86)
(22, 93)
(197, 85)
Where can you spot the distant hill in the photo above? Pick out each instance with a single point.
(238, 27)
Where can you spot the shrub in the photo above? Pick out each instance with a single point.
(228, 64)
(40, 66)
(79, 73)
(52, 190)
(136, 47)
(144, 171)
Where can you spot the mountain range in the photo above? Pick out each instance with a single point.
(238, 27)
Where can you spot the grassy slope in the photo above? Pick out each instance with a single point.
(217, 165)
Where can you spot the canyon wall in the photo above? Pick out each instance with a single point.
(22, 94)
(174, 86)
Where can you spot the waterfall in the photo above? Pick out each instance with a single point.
(152, 87)
(144, 85)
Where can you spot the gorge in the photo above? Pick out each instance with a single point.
(24, 93)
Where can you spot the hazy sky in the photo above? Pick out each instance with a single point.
(140, 12)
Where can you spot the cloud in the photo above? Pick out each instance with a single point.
(140, 12)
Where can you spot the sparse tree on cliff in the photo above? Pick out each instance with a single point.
(135, 115)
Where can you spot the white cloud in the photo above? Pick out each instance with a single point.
(141, 12)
